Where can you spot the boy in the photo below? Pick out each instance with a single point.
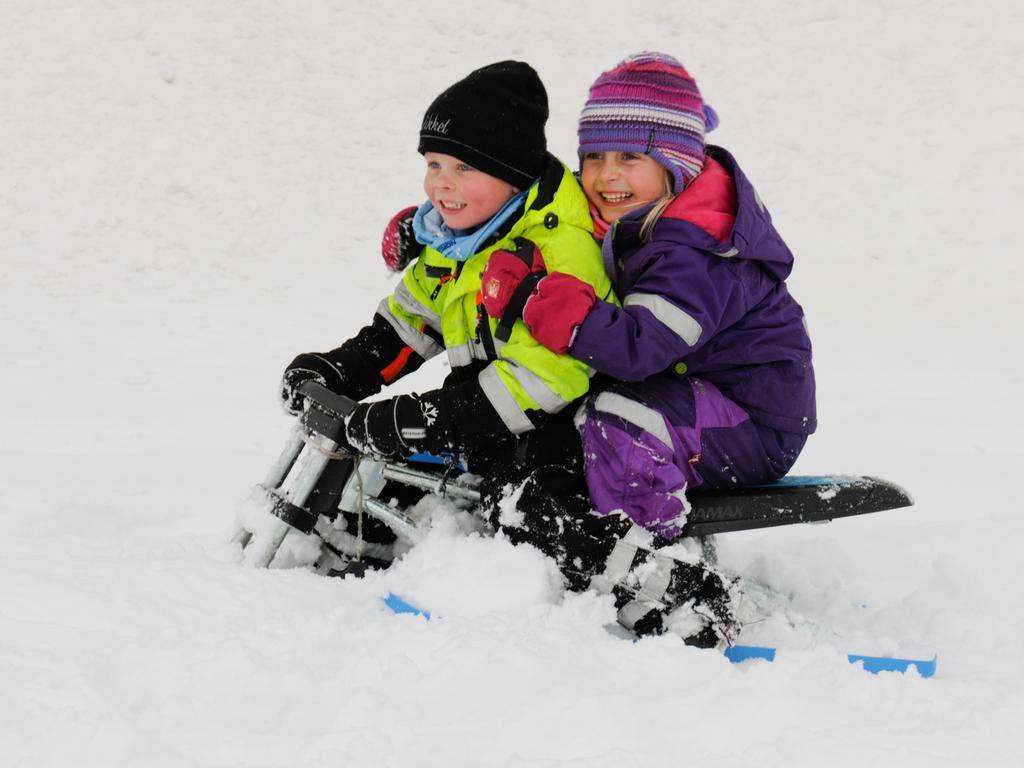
(491, 186)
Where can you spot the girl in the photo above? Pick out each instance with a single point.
(707, 362)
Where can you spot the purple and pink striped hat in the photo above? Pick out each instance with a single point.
(649, 104)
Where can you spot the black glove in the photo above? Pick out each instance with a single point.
(326, 369)
(400, 426)
(399, 245)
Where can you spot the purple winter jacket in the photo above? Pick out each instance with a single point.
(719, 306)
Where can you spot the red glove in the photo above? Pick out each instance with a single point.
(399, 245)
(504, 272)
(556, 308)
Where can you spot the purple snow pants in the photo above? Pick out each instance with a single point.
(645, 443)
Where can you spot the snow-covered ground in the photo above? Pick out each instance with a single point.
(192, 192)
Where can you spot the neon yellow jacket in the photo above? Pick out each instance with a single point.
(438, 299)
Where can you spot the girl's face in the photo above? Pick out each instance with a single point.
(618, 182)
(464, 196)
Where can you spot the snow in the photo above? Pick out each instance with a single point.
(193, 193)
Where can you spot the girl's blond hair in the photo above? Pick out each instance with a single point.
(656, 212)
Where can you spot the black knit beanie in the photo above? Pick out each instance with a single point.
(493, 119)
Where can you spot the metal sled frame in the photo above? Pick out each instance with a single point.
(315, 440)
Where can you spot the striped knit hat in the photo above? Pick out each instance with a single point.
(649, 104)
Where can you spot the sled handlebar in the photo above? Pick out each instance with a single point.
(320, 396)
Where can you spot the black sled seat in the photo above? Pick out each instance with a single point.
(796, 499)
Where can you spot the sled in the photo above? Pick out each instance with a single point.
(318, 490)
(314, 481)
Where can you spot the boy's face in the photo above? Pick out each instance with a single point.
(464, 196)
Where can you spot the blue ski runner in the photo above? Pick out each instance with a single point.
(740, 653)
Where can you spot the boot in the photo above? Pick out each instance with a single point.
(656, 593)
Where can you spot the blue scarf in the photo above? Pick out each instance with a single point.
(459, 245)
